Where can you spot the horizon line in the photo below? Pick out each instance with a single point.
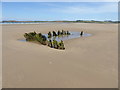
(61, 20)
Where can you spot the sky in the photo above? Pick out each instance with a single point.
(50, 11)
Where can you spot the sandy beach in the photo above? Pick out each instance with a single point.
(87, 62)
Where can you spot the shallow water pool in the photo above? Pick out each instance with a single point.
(64, 37)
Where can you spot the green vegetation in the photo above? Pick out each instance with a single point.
(30, 36)
(42, 39)
(61, 45)
(55, 44)
(33, 36)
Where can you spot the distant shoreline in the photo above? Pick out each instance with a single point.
(49, 23)
(37, 22)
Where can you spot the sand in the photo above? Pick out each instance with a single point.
(87, 62)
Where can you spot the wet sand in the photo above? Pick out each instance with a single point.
(87, 62)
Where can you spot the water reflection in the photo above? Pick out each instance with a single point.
(65, 37)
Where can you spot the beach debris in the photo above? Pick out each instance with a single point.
(54, 33)
(64, 32)
(68, 33)
(50, 43)
(30, 36)
(49, 35)
(61, 45)
(59, 33)
(55, 44)
(42, 39)
(81, 33)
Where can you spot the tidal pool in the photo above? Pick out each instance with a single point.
(64, 37)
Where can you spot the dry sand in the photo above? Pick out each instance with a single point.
(87, 62)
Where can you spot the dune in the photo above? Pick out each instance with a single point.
(87, 62)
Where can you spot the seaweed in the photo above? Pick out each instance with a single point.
(42, 39)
